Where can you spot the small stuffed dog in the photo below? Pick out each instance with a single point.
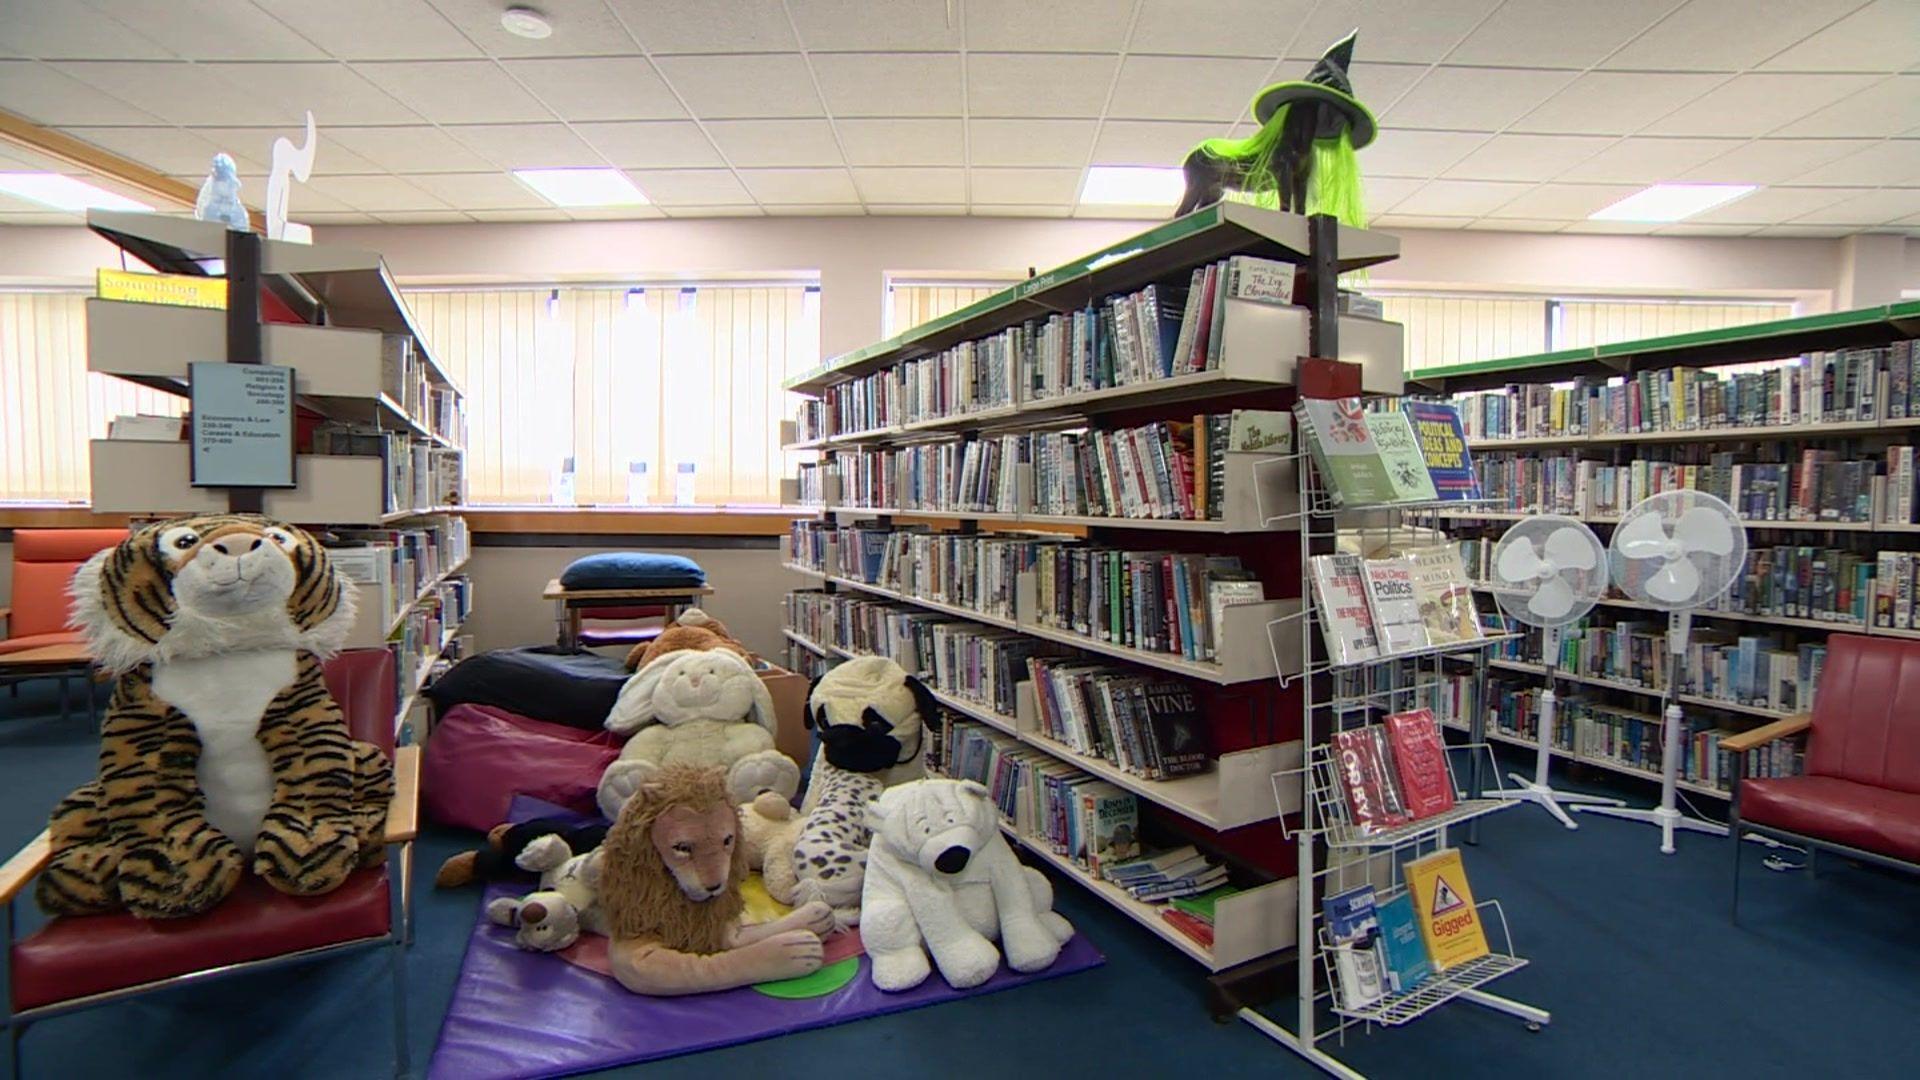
(567, 903)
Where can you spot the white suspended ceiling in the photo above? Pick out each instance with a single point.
(1523, 114)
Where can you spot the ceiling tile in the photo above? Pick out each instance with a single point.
(1474, 99)
(179, 93)
(374, 29)
(1527, 157)
(546, 214)
(1380, 85)
(252, 148)
(1771, 161)
(580, 28)
(660, 144)
(889, 84)
(917, 209)
(741, 210)
(1867, 209)
(1615, 103)
(210, 29)
(456, 91)
(1883, 36)
(902, 142)
(1697, 37)
(1038, 84)
(1056, 26)
(1891, 107)
(1774, 205)
(1420, 154)
(773, 186)
(46, 96)
(1896, 161)
(746, 85)
(478, 191)
(598, 88)
(528, 146)
(1030, 142)
(1219, 27)
(1175, 88)
(1001, 210)
(1687, 228)
(167, 149)
(708, 26)
(1557, 33)
(919, 25)
(1165, 142)
(1025, 186)
(1757, 104)
(376, 193)
(1420, 221)
(423, 217)
(1647, 160)
(1421, 32)
(691, 187)
(1384, 191)
(1517, 225)
(912, 185)
(407, 149)
(771, 143)
(1459, 197)
(847, 209)
(336, 94)
(1564, 202)
(52, 32)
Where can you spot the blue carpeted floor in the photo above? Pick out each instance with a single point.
(1632, 951)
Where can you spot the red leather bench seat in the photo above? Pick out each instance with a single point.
(1875, 819)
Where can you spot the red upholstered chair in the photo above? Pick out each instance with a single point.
(43, 563)
(1860, 796)
(76, 962)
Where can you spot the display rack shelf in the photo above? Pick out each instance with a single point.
(1438, 989)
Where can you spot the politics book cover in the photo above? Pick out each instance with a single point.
(1396, 608)
(1443, 442)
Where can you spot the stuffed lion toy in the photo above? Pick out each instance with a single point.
(670, 874)
(221, 750)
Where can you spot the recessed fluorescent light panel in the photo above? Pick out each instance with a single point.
(65, 192)
(1671, 202)
(583, 187)
(1130, 185)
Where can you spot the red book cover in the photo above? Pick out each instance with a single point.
(1421, 760)
(1372, 803)
(1190, 926)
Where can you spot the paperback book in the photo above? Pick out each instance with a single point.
(1354, 930)
(1445, 596)
(1366, 777)
(1404, 953)
(1395, 605)
(1346, 622)
(1400, 453)
(1420, 762)
(1449, 922)
(1343, 450)
(1443, 442)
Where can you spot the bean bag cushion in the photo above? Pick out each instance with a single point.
(479, 757)
(576, 689)
(632, 570)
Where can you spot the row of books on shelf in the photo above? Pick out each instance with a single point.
(975, 476)
(971, 377)
(1415, 599)
(391, 566)
(1089, 821)
(1156, 601)
(420, 645)
(1836, 386)
(1757, 670)
(404, 379)
(1385, 451)
(417, 473)
(1388, 946)
(975, 572)
(1392, 773)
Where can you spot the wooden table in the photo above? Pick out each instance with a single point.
(55, 661)
(569, 603)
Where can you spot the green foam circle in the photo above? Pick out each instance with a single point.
(819, 984)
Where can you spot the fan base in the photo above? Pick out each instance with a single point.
(1669, 821)
(1549, 799)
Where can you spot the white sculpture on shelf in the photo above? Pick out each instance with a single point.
(288, 161)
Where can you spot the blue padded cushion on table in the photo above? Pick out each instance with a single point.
(632, 570)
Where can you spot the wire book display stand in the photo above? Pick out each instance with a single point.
(1335, 852)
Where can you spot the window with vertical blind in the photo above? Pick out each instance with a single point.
(50, 404)
(1460, 329)
(1578, 323)
(625, 385)
(910, 303)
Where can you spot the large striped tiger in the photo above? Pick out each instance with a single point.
(221, 749)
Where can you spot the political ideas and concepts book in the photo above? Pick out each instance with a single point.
(1443, 442)
(1343, 449)
(1449, 922)
(1400, 452)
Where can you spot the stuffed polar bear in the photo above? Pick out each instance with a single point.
(940, 873)
(703, 708)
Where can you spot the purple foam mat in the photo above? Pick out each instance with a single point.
(522, 1014)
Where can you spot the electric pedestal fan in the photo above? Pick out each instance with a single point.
(1675, 551)
(1548, 572)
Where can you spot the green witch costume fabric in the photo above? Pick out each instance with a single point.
(1302, 158)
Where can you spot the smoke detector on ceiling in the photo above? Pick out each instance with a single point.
(526, 22)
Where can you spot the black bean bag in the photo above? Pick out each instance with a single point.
(540, 681)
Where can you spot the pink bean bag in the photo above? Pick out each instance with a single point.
(479, 757)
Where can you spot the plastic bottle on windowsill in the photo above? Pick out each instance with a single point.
(683, 484)
(563, 488)
(637, 481)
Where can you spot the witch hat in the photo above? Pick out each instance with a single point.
(1327, 83)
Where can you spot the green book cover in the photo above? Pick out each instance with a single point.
(1400, 452)
(1344, 449)
(1201, 906)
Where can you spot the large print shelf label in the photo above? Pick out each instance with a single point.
(242, 425)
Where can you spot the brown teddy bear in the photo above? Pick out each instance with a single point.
(693, 629)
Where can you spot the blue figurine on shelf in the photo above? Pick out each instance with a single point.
(220, 196)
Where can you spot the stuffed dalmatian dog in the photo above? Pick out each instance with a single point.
(830, 854)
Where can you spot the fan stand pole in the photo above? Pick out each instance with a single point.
(1667, 815)
(1538, 790)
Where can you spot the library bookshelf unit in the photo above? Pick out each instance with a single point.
(1877, 416)
(360, 366)
(1230, 809)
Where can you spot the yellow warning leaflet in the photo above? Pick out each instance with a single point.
(176, 290)
(1448, 920)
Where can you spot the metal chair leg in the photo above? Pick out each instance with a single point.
(1737, 845)
(1813, 872)
(397, 961)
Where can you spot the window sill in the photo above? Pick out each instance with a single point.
(663, 520)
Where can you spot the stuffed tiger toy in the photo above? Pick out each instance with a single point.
(221, 749)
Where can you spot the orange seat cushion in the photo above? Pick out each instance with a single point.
(39, 641)
(91, 954)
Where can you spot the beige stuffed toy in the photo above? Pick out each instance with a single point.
(768, 827)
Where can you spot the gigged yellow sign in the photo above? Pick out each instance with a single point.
(177, 290)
